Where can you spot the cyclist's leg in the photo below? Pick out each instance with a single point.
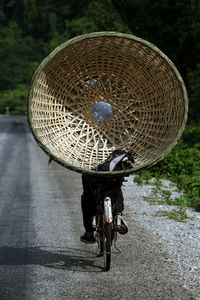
(122, 226)
(88, 205)
(120, 200)
(88, 210)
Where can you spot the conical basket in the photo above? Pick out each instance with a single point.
(146, 92)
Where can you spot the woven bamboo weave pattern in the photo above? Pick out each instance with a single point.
(146, 92)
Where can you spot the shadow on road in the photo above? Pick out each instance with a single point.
(69, 259)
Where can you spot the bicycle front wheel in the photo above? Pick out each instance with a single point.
(107, 246)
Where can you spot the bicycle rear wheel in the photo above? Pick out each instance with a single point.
(107, 246)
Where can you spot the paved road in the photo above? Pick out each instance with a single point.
(40, 224)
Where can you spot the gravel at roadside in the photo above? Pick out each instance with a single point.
(181, 240)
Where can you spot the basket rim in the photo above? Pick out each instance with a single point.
(95, 35)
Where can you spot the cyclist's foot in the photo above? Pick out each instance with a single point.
(88, 237)
(121, 226)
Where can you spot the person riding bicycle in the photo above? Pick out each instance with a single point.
(96, 186)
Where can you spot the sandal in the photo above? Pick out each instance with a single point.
(121, 226)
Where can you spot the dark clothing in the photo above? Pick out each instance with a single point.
(96, 187)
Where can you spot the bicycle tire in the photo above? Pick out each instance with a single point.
(101, 248)
(107, 246)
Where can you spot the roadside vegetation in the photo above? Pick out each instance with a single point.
(31, 29)
(178, 214)
(182, 166)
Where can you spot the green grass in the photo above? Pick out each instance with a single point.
(176, 214)
(182, 167)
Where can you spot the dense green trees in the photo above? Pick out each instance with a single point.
(31, 29)
(174, 27)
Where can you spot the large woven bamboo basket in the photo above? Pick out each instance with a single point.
(146, 92)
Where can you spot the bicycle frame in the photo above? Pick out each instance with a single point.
(104, 224)
(108, 210)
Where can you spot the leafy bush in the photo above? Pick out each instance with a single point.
(14, 101)
(182, 165)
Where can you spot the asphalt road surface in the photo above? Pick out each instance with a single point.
(41, 256)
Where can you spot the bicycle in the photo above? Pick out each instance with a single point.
(104, 226)
(108, 221)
